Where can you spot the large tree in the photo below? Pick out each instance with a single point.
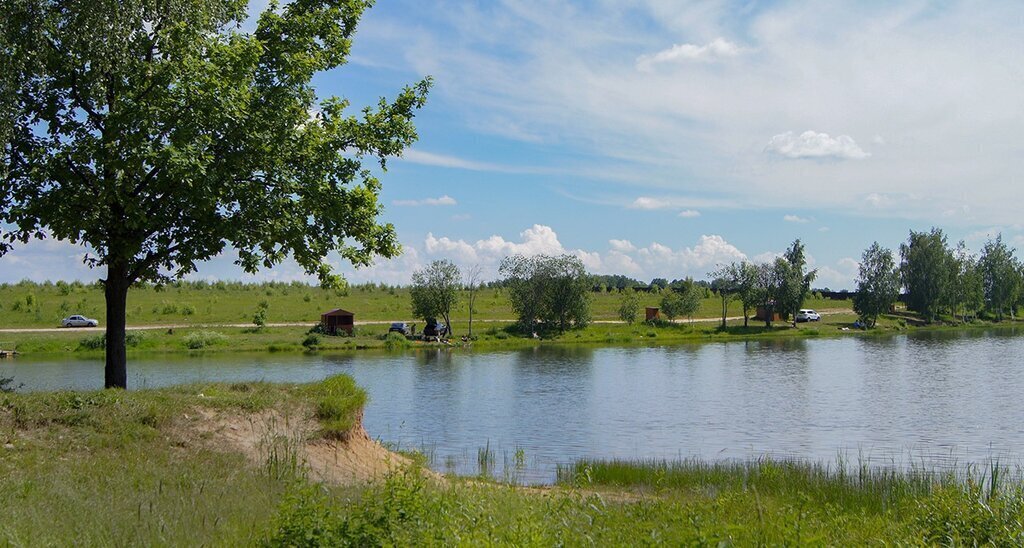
(878, 284)
(795, 281)
(925, 270)
(435, 290)
(1000, 273)
(157, 134)
(554, 290)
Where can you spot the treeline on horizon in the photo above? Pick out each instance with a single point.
(931, 277)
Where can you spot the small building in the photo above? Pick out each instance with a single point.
(762, 315)
(651, 314)
(338, 320)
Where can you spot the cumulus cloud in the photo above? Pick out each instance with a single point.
(811, 144)
(621, 257)
(795, 219)
(716, 50)
(689, 213)
(445, 200)
(622, 246)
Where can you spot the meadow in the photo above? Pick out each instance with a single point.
(29, 304)
(136, 468)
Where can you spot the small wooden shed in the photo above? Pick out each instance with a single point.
(338, 320)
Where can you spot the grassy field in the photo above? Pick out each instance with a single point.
(29, 304)
(116, 468)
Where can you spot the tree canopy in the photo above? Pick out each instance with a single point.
(435, 290)
(878, 284)
(554, 290)
(157, 133)
(925, 271)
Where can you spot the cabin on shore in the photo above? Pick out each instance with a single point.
(338, 320)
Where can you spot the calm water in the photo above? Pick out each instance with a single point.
(932, 398)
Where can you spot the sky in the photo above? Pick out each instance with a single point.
(659, 138)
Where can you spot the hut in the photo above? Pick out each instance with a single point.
(337, 320)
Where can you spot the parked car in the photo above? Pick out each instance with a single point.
(79, 321)
(435, 328)
(400, 327)
(807, 315)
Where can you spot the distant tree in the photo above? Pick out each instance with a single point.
(966, 291)
(660, 283)
(672, 305)
(725, 288)
(925, 268)
(629, 307)
(474, 279)
(878, 284)
(771, 280)
(690, 295)
(435, 290)
(795, 281)
(742, 278)
(554, 290)
(1000, 272)
(160, 133)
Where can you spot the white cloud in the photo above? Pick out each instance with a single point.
(622, 246)
(645, 202)
(622, 256)
(445, 200)
(689, 213)
(414, 156)
(810, 144)
(551, 69)
(795, 219)
(716, 50)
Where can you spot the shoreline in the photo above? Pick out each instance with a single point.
(290, 338)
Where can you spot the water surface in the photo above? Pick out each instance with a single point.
(932, 398)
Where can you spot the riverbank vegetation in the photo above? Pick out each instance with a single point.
(153, 467)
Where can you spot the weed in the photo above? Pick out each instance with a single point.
(202, 339)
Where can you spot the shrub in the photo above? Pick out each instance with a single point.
(99, 342)
(395, 341)
(188, 310)
(311, 341)
(169, 308)
(201, 339)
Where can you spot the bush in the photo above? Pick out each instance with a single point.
(99, 342)
(188, 310)
(202, 339)
(395, 341)
(311, 342)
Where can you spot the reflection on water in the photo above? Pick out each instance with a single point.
(933, 397)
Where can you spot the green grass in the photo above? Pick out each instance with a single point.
(108, 468)
(113, 468)
(28, 304)
(764, 503)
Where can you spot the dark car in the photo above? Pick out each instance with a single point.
(400, 327)
(435, 328)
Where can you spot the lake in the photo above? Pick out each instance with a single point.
(932, 398)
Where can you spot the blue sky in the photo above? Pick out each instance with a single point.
(660, 138)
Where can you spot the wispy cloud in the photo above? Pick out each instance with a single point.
(811, 144)
(795, 219)
(414, 156)
(445, 200)
(689, 213)
(716, 50)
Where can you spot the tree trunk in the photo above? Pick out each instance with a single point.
(746, 315)
(115, 372)
(725, 310)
